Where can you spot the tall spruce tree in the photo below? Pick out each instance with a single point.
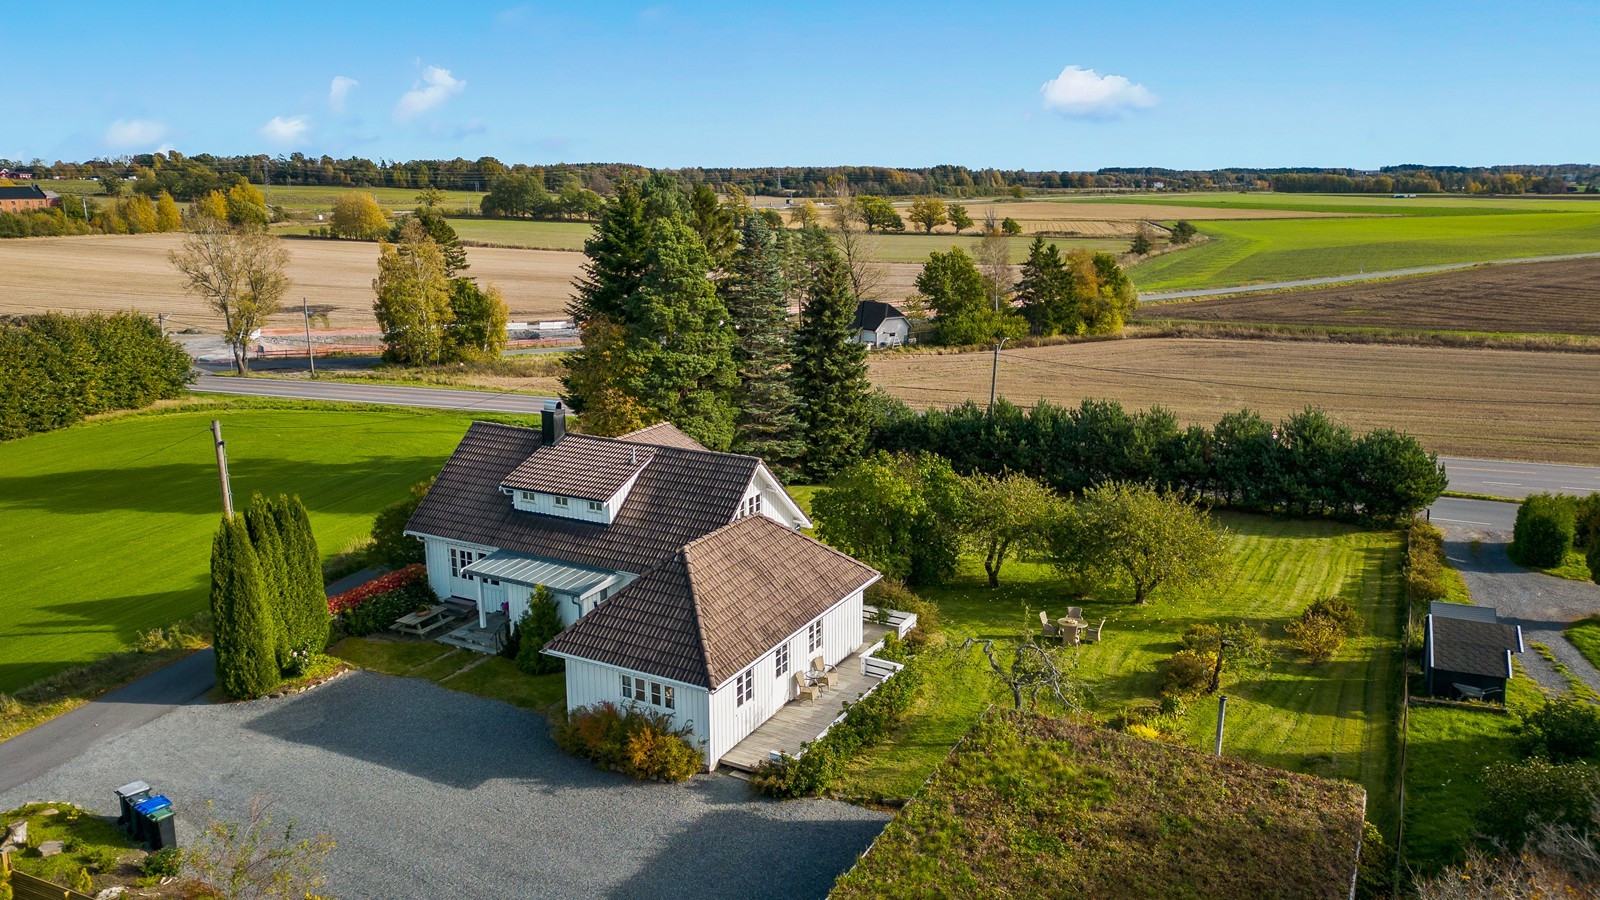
(1046, 293)
(247, 664)
(266, 539)
(830, 368)
(757, 294)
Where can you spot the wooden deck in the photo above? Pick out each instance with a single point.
(800, 721)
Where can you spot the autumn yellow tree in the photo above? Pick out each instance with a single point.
(240, 275)
(140, 214)
(929, 212)
(167, 215)
(413, 298)
(357, 216)
(804, 215)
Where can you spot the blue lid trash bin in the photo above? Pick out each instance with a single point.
(142, 811)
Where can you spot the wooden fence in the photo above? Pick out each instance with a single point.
(27, 887)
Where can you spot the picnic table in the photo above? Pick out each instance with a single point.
(421, 622)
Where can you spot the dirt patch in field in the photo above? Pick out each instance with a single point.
(111, 272)
(1503, 404)
(1538, 298)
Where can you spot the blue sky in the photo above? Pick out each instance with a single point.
(1187, 85)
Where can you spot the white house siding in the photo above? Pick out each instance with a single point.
(731, 723)
(589, 683)
(436, 554)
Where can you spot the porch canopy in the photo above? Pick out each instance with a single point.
(531, 571)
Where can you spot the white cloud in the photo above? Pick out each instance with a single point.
(338, 90)
(435, 88)
(280, 130)
(1086, 93)
(134, 134)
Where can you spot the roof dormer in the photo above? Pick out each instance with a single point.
(578, 477)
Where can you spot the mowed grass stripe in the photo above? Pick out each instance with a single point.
(106, 527)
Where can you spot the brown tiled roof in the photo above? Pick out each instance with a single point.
(717, 605)
(680, 496)
(1471, 647)
(578, 465)
(662, 434)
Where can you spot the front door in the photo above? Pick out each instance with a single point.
(494, 596)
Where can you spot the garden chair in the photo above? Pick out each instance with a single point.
(1075, 613)
(825, 676)
(1092, 633)
(1051, 629)
(803, 691)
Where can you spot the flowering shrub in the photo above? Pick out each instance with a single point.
(635, 741)
(383, 584)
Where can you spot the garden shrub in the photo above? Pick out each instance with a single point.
(1376, 870)
(105, 860)
(1318, 637)
(375, 605)
(1563, 730)
(1544, 531)
(164, 863)
(865, 723)
(82, 882)
(1425, 563)
(1518, 796)
(391, 547)
(540, 623)
(1593, 559)
(635, 741)
(1586, 521)
(1201, 636)
(1338, 610)
(1187, 673)
(889, 592)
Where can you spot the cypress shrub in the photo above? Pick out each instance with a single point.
(247, 664)
(267, 540)
(1593, 559)
(1544, 531)
(1586, 527)
(312, 619)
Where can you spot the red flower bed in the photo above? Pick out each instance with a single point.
(383, 584)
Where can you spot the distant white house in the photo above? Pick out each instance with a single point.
(680, 572)
(881, 325)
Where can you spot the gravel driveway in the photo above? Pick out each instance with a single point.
(1542, 604)
(434, 793)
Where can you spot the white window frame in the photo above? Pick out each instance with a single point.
(562, 502)
(596, 506)
(654, 693)
(744, 687)
(814, 637)
(781, 661)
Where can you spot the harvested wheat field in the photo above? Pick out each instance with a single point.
(111, 272)
(1498, 404)
(1532, 298)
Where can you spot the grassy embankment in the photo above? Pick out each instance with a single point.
(1335, 719)
(110, 522)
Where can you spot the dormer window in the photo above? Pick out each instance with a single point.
(563, 502)
(596, 506)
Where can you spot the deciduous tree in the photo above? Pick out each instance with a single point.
(413, 299)
(1136, 537)
(239, 273)
(929, 212)
(959, 219)
(247, 209)
(478, 321)
(357, 216)
(168, 218)
(804, 214)
(902, 513)
(878, 214)
(1008, 514)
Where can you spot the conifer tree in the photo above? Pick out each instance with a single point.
(309, 603)
(830, 368)
(757, 298)
(266, 539)
(1045, 292)
(617, 256)
(247, 664)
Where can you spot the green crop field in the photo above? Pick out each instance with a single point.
(1358, 204)
(1335, 719)
(1247, 252)
(107, 526)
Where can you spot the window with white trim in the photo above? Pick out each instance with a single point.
(562, 502)
(782, 667)
(744, 687)
(527, 496)
(460, 559)
(595, 506)
(654, 693)
(814, 636)
(750, 506)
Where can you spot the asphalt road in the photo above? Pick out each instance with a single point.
(1519, 479)
(1480, 515)
(393, 395)
(1157, 296)
(39, 751)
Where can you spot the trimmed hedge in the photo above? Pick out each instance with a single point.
(1545, 529)
(865, 723)
(57, 369)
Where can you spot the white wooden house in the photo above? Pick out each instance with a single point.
(680, 572)
(880, 325)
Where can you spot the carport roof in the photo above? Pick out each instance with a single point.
(533, 572)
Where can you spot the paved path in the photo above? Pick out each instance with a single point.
(1157, 296)
(433, 793)
(1542, 604)
(393, 395)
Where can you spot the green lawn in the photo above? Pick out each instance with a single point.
(459, 670)
(1265, 250)
(1448, 747)
(1354, 204)
(106, 527)
(1585, 635)
(1337, 718)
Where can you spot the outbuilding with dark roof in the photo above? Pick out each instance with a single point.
(1466, 651)
(880, 325)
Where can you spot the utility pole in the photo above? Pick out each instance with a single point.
(310, 358)
(161, 323)
(222, 468)
(994, 376)
(1222, 718)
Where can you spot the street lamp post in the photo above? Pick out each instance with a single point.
(994, 376)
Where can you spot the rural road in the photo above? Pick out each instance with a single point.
(1483, 515)
(1158, 296)
(1519, 479)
